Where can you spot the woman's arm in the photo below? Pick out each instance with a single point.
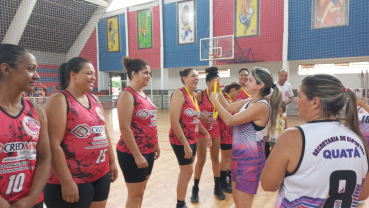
(198, 97)
(362, 103)
(203, 130)
(175, 114)
(43, 162)
(231, 107)
(125, 109)
(113, 166)
(56, 111)
(253, 113)
(285, 122)
(365, 189)
(284, 157)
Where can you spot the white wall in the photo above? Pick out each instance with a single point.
(174, 80)
(348, 80)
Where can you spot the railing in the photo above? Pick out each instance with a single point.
(110, 101)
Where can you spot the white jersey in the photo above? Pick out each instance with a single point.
(364, 123)
(331, 170)
(286, 89)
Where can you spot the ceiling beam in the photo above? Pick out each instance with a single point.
(99, 2)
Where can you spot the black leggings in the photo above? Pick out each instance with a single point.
(88, 192)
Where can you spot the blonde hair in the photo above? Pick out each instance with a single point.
(263, 75)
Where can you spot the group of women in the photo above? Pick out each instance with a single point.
(61, 155)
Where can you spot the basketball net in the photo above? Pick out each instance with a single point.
(213, 58)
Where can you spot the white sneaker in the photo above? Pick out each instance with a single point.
(361, 201)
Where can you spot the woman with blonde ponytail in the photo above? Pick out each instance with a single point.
(324, 162)
(250, 129)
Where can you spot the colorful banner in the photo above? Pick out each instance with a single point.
(186, 22)
(144, 26)
(113, 34)
(246, 19)
(329, 13)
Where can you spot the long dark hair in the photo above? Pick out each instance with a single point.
(212, 73)
(73, 65)
(333, 98)
(185, 73)
(133, 65)
(262, 75)
(11, 55)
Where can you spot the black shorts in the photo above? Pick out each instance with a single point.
(131, 172)
(88, 192)
(39, 205)
(179, 151)
(225, 146)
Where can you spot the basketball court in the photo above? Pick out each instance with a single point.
(303, 37)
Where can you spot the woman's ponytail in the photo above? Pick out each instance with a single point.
(62, 76)
(275, 105)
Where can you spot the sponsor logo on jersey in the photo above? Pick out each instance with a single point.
(99, 113)
(145, 114)
(31, 126)
(191, 113)
(84, 130)
(361, 112)
(17, 146)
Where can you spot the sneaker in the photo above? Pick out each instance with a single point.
(219, 193)
(195, 194)
(226, 187)
(361, 201)
(184, 206)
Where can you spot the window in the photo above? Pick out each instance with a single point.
(222, 73)
(336, 68)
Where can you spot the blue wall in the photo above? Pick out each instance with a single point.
(346, 41)
(111, 61)
(189, 54)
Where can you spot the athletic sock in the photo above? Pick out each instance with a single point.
(223, 176)
(217, 182)
(229, 176)
(196, 182)
(180, 203)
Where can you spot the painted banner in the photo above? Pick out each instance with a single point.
(144, 26)
(246, 19)
(329, 13)
(113, 34)
(186, 22)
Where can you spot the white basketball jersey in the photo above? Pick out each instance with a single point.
(331, 170)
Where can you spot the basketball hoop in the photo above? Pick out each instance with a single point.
(213, 58)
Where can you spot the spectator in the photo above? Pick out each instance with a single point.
(36, 92)
(286, 88)
(55, 90)
(43, 88)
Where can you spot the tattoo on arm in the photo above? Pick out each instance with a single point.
(182, 139)
(40, 108)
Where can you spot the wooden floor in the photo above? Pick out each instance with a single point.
(161, 188)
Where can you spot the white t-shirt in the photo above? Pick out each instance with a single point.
(286, 91)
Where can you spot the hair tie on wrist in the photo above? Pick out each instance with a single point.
(346, 89)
